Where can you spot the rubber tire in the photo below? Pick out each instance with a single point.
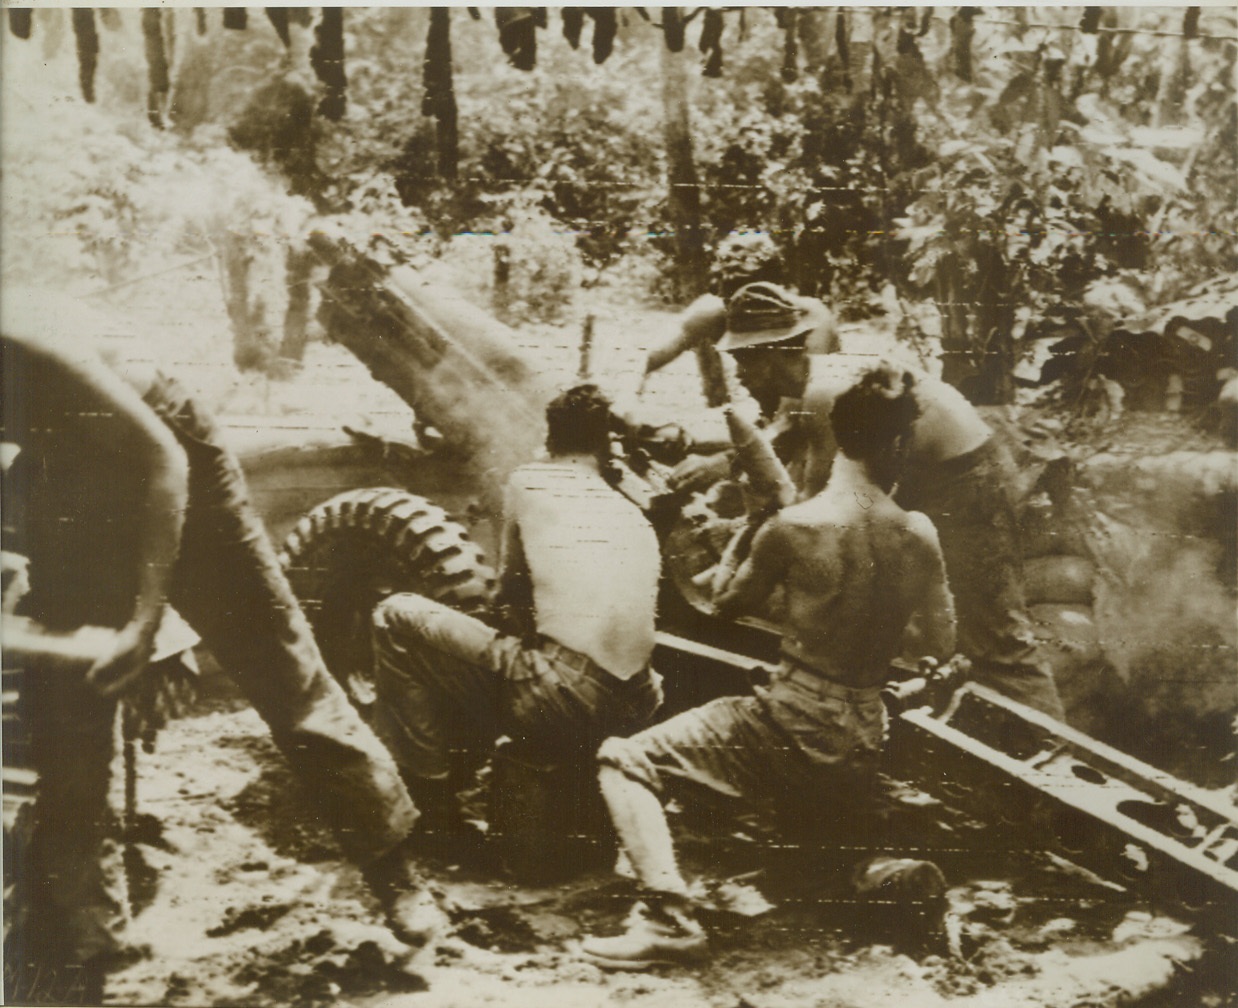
(350, 552)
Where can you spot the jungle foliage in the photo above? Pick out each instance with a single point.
(1002, 174)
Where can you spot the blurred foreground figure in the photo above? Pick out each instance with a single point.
(856, 569)
(122, 495)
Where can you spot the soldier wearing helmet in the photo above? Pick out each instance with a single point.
(708, 320)
(743, 260)
(760, 311)
(954, 470)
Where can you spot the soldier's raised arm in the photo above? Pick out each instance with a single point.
(702, 322)
(127, 429)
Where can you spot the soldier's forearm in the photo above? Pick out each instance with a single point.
(166, 500)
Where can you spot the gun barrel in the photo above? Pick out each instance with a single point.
(461, 370)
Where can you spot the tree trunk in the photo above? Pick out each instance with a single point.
(958, 366)
(1175, 79)
(500, 296)
(156, 66)
(169, 25)
(50, 26)
(191, 101)
(962, 31)
(861, 31)
(790, 45)
(278, 16)
(993, 332)
(87, 36)
(684, 201)
(439, 99)
(251, 338)
(814, 35)
(327, 59)
(977, 327)
(684, 204)
(20, 21)
(298, 272)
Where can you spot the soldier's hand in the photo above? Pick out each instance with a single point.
(702, 323)
(697, 472)
(705, 319)
(124, 660)
(760, 503)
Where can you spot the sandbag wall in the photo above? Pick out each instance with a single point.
(1060, 581)
(1129, 576)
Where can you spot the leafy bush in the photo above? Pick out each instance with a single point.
(134, 204)
(576, 135)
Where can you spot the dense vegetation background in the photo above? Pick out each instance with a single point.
(986, 177)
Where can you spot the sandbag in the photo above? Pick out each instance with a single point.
(1068, 626)
(1070, 643)
(1059, 580)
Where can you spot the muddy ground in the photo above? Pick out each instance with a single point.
(243, 900)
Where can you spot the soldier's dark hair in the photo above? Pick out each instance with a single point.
(578, 420)
(872, 419)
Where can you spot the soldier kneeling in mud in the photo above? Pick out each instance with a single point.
(865, 582)
(122, 495)
(578, 584)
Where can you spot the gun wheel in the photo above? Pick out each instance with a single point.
(352, 551)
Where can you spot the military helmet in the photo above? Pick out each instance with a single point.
(760, 313)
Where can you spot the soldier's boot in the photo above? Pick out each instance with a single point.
(905, 896)
(660, 931)
(411, 909)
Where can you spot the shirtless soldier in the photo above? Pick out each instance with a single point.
(856, 569)
(578, 582)
(956, 472)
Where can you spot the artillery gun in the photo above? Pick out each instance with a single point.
(479, 413)
(362, 514)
